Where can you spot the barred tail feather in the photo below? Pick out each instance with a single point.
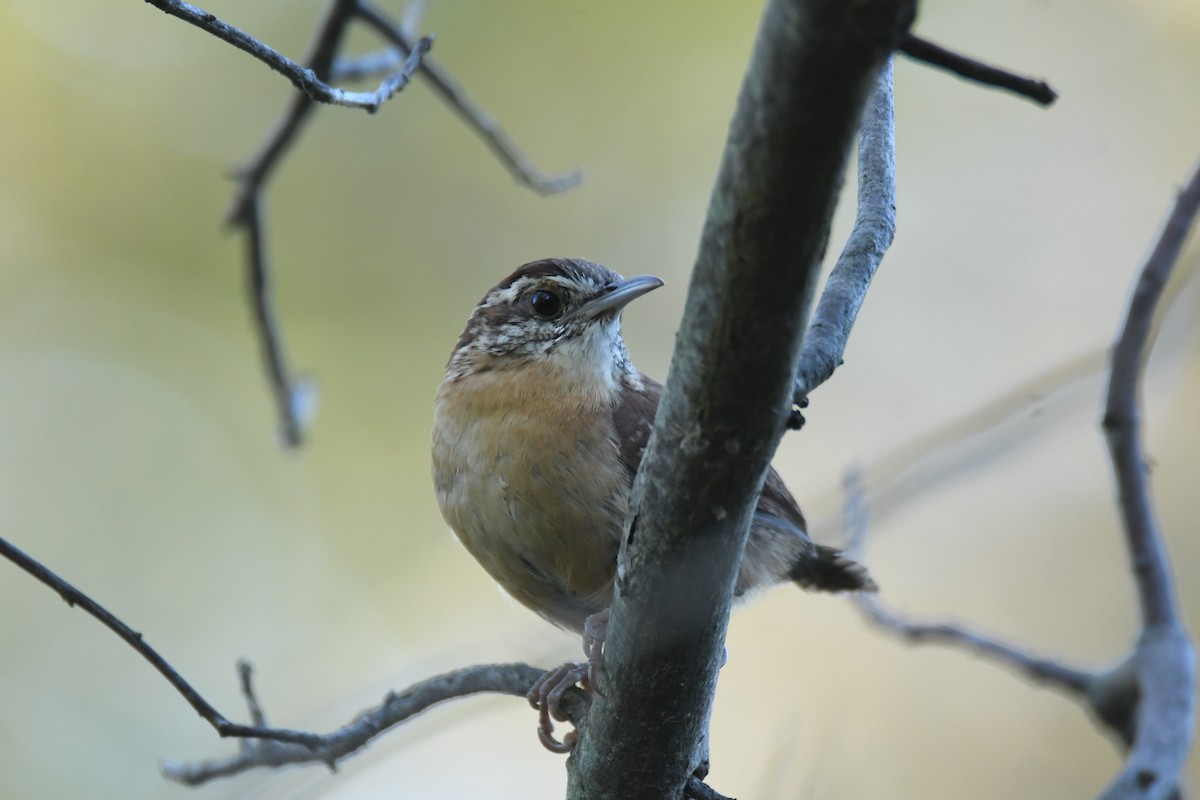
(828, 570)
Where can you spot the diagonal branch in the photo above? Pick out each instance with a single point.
(73, 597)
(474, 115)
(307, 80)
(874, 228)
(969, 69)
(1068, 680)
(1149, 698)
(321, 57)
(1164, 657)
(397, 707)
(295, 398)
(263, 746)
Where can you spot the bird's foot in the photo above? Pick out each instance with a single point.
(546, 696)
(547, 692)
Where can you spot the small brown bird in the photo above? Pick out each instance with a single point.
(540, 424)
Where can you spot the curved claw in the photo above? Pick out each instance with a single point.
(547, 692)
(554, 745)
(546, 696)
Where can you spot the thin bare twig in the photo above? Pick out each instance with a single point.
(304, 79)
(1072, 681)
(976, 71)
(511, 679)
(484, 125)
(1040, 670)
(875, 220)
(366, 65)
(383, 61)
(980, 436)
(396, 708)
(320, 60)
(246, 679)
(263, 746)
(74, 597)
(1121, 418)
(874, 228)
(1149, 698)
(278, 746)
(1164, 657)
(294, 397)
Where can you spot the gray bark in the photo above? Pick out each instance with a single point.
(728, 391)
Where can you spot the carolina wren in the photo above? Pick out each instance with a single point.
(540, 424)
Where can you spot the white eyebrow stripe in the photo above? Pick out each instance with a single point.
(570, 285)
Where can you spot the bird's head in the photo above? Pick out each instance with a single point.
(559, 314)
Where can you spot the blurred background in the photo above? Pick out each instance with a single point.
(137, 447)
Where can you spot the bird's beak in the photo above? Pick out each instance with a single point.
(619, 296)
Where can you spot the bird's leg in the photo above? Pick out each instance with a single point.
(547, 692)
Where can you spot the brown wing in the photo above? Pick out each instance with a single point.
(778, 501)
(778, 532)
(633, 418)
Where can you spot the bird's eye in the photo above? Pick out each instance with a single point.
(545, 304)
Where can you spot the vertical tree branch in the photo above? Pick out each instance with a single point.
(874, 228)
(292, 398)
(1122, 423)
(1164, 658)
(729, 389)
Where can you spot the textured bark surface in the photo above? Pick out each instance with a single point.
(728, 392)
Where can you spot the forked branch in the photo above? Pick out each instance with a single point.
(397, 707)
(265, 746)
(74, 597)
(875, 219)
(295, 397)
(1149, 699)
(305, 79)
(473, 115)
